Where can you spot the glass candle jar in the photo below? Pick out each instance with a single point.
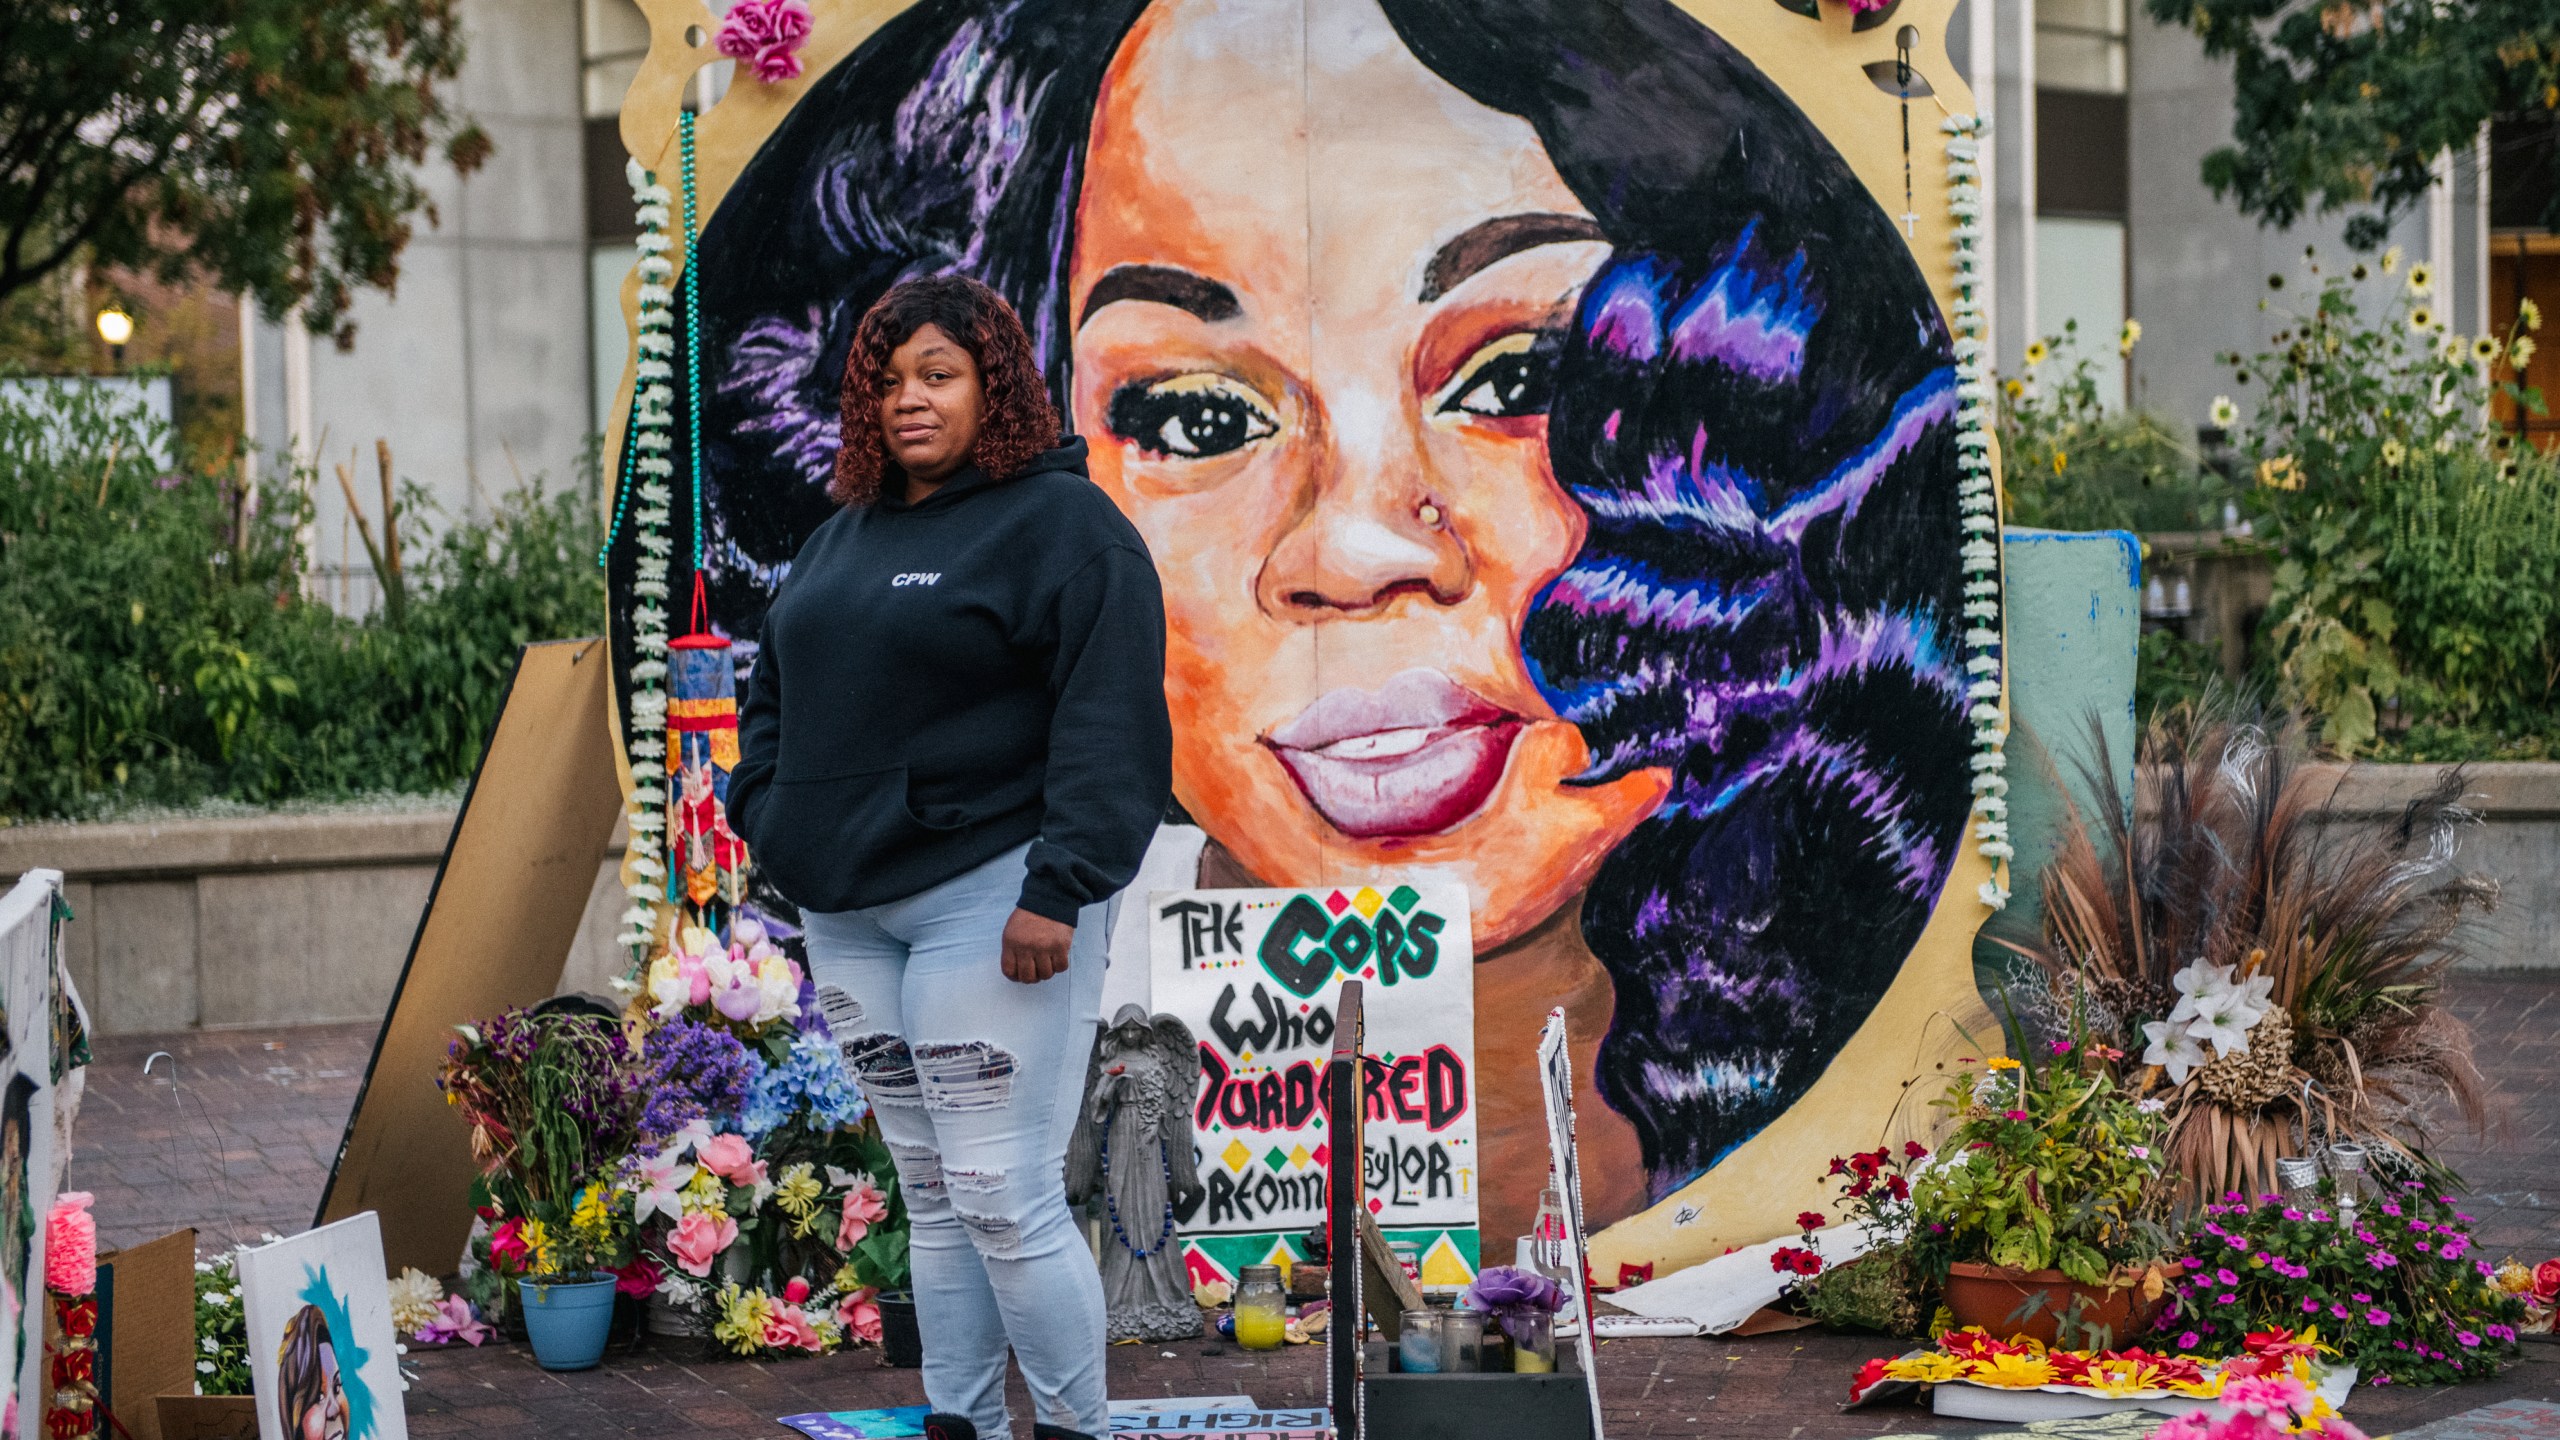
(1462, 1342)
(1418, 1345)
(1261, 1308)
(1533, 1344)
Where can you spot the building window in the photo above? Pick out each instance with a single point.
(2080, 45)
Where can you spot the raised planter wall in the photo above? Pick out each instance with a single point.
(270, 920)
(299, 919)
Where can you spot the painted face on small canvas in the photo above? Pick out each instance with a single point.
(1314, 375)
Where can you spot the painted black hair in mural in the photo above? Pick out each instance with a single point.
(1754, 408)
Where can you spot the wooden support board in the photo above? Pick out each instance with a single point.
(1345, 1247)
(495, 934)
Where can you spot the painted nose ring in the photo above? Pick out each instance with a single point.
(1428, 513)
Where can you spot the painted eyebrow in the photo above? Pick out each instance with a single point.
(1499, 238)
(1165, 285)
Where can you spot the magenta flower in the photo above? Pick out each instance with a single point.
(766, 36)
(2382, 1259)
(2469, 1340)
(2059, 1047)
(2310, 1306)
(2188, 1340)
(2228, 1297)
(2377, 1317)
(2340, 1311)
(2014, 1114)
(2225, 1276)
(2292, 1214)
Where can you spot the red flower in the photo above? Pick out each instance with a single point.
(2546, 1282)
(1863, 1164)
(1859, 1190)
(1914, 1150)
(1839, 1166)
(1870, 1375)
(1809, 1221)
(1788, 1260)
(1897, 1187)
(641, 1277)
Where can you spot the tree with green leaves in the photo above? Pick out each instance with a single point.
(2345, 104)
(268, 145)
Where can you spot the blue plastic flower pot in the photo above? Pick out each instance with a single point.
(567, 1320)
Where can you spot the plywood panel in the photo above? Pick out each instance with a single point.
(508, 897)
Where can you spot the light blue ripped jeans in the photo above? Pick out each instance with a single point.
(976, 1080)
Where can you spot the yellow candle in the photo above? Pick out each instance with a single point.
(1525, 1361)
(1258, 1328)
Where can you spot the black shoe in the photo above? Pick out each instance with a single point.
(949, 1427)
(1043, 1430)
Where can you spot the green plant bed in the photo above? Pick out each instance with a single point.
(158, 646)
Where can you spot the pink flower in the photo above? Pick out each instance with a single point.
(2310, 1306)
(859, 1313)
(71, 1245)
(796, 1290)
(2377, 1317)
(640, 1277)
(2014, 1115)
(507, 1251)
(2546, 1282)
(2469, 1340)
(699, 1239)
(864, 1207)
(729, 1157)
(789, 1329)
(455, 1320)
(766, 35)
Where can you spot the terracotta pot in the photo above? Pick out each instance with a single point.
(1989, 1295)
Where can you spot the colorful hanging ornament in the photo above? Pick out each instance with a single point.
(1979, 499)
(705, 858)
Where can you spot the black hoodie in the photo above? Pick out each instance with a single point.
(941, 681)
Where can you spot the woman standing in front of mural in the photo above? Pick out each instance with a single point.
(952, 755)
(1548, 444)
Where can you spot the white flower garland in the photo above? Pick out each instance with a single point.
(652, 443)
(1979, 499)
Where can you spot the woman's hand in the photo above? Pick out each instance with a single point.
(1035, 947)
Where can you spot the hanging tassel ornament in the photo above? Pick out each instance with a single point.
(705, 858)
(1978, 497)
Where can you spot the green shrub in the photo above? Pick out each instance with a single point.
(157, 646)
(2070, 463)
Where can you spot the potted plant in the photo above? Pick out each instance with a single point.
(2043, 1211)
(554, 1109)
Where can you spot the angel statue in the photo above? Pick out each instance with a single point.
(1133, 1147)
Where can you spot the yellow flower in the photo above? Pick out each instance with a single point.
(2225, 414)
(797, 1191)
(539, 1244)
(2012, 1372)
(2514, 1278)
(742, 1317)
(2001, 1062)
(2393, 452)
(2422, 278)
(2036, 353)
(2119, 1378)
(2390, 259)
(2015, 388)
(2530, 314)
(2129, 337)
(2522, 354)
(847, 1280)
(2280, 473)
(2485, 349)
(1928, 1368)
(2421, 319)
(704, 1192)
(2059, 461)
(593, 1214)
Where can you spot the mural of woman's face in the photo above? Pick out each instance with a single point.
(1311, 288)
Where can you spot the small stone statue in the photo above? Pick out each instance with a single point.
(1133, 1148)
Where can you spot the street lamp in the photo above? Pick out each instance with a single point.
(115, 327)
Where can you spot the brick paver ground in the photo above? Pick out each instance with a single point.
(241, 1143)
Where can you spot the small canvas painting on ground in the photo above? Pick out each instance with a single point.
(322, 1358)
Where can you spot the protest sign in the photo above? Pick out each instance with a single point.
(1255, 974)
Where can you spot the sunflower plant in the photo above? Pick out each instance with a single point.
(2348, 399)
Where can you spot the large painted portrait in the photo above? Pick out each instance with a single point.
(1545, 428)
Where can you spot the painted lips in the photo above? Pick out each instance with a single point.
(1413, 757)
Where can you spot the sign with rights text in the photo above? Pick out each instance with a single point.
(1255, 973)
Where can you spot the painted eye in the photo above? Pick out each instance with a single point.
(1190, 416)
(1513, 376)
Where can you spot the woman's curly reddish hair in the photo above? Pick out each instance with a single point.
(1020, 419)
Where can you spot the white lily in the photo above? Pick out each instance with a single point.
(2173, 1048)
(2223, 1020)
(2195, 982)
(662, 1180)
(777, 990)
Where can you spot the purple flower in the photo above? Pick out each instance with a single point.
(1512, 1295)
(2339, 1311)
(2310, 1306)
(2319, 1217)
(691, 1072)
(2487, 1270)
(2425, 1249)
(2228, 1297)
(2236, 1242)
(2059, 1047)
(2292, 1214)
(2015, 1114)
(2188, 1340)
(2361, 1298)
(2421, 1227)
(2225, 1276)
(2500, 1332)
(2377, 1316)
(2469, 1340)
(2382, 1259)
(2391, 1208)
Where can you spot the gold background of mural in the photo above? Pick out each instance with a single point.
(1877, 1089)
